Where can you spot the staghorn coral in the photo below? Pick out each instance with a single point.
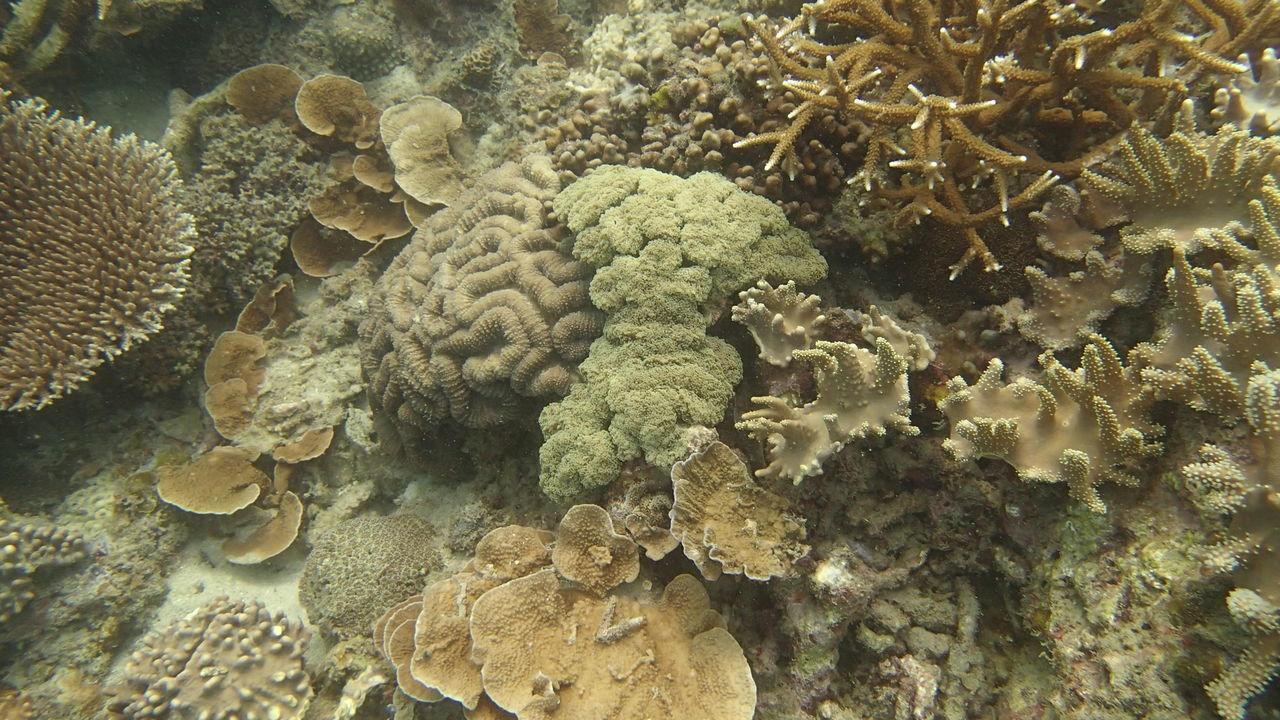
(225, 660)
(860, 394)
(729, 524)
(666, 248)
(1081, 427)
(24, 549)
(1188, 190)
(504, 634)
(974, 108)
(93, 249)
(361, 568)
(483, 314)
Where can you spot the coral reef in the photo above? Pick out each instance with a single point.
(93, 248)
(25, 548)
(666, 249)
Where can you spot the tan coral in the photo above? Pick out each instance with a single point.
(337, 106)
(1065, 310)
(311, 445)
(1067, 230)
(590, 553)
(271, 310)
(220, 482)
(1188, 191)
(25, 547)
(483, 314)
(416, 134)
(236, 355)
(225, 660)
(366, 214)
(782, 320)
(859, 394)
(272, 537)
(728, 523)
(264, 92)
(547, 650)
(912, 346)
(93, 249)
(321, 252)
(1081, 427)
(1251, 103)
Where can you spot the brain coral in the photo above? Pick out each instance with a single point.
(667, 248)
(362, 567)
(483, 313)
(93, 249)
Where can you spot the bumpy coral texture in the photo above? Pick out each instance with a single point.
(362, 567)
(483, 314)
(666, 248)
(93, 249)
(226, 660)
(25, 548)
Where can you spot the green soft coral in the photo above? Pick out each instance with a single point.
(666, 248)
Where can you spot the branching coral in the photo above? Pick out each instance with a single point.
(93, 249)
(1248, 102)
(1081, 427)
(944, 87)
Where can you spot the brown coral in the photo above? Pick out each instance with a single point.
(728, 523)
(93, 249)
(220, 482)
(590, 553)
(225, 660)
(483, 312)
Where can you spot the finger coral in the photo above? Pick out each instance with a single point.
(483, 314)
(225, 660)
(93, 249)
(665, 248)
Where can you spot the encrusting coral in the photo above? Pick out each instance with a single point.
(974, 109)
(666, 249)
(225, 660)
(483, 314)
(508, 631)
(1081, 427)
(94, 249)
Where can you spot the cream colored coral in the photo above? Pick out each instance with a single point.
(728, 523)
(782, 319)
(860, 394)
(1187, 191)
(1251, 103)
(416, 133)
(1066, 309)
(912, 346)
(226, 660)
(1080, 427)
(93, 249)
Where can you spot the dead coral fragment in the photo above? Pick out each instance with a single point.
(1081, 427)
(782, 320)
(728, 523)
(93, 249)
(545, 650)
(224, 661)
(860, 394)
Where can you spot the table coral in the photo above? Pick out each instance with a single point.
(666, 249)
(93, 249)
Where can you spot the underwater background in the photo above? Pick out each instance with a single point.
(637, 359)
